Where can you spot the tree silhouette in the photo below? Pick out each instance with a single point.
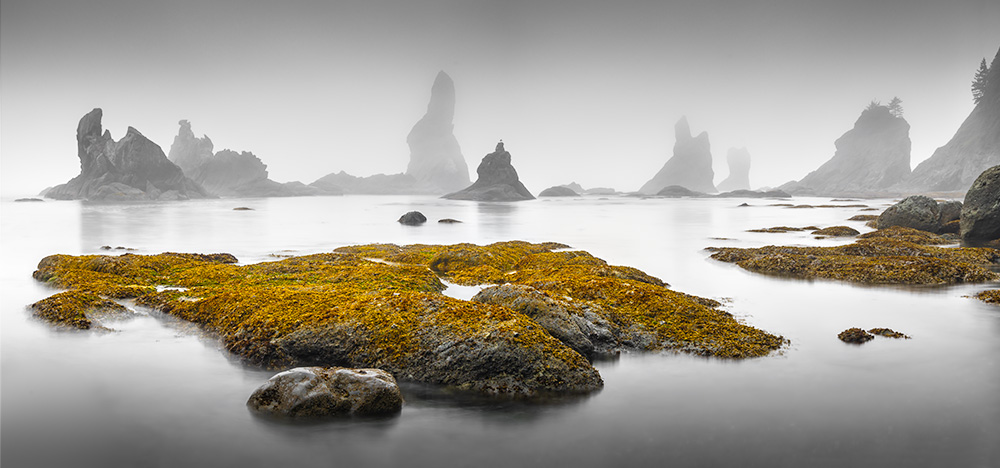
(875, 104)
(979, 83)
(896, 107)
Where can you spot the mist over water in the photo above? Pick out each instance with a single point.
(157, 392)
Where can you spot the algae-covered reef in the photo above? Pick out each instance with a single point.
(888, 256)
(382, 306)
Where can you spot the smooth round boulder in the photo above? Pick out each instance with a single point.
(327, 392)
(917, 212)
(981, 211)
(413, 218)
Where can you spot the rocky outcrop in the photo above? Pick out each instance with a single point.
(378, 184)
(775, 193)
(690, 166)
(497, 181)
(739, 170)
(677, 191)
(558, 191)
(974, 148)
(228, 173)
(577, 188)
(916, 212)
(412, 218)
(435, 157)
(323, 392)
(132, 168)
(981, 211)
(870, 158)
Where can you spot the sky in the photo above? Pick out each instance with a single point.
(579, 90)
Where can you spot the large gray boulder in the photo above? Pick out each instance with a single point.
(497, 181)
(870, 158)
(917, 212)
(981, 210)
(435, 157)
(323, 392)
(739, 171)
(133, 168)
(690, 166)
(974, 148)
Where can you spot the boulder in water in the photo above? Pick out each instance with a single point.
(323, 392)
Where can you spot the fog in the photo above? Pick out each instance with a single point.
(579, 91)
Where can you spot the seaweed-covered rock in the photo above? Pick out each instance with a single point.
(872, 260)
(905, 234)
(558, 191)
(76, 309)
(132, 168)
(836, 231)
(690, 166)
(981, 211)
(855, 336)
(497, 181)
(990, 296)
(888, 333)
(324, 392)
(412, 218)
(917, 212)
(381, 306)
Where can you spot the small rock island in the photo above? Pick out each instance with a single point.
(497, 181)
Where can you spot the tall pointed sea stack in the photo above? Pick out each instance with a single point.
(435, 157)
(739, 171)
(132, 168)
(870, 158)
(497, 181)
(974, 148)
(691, 165)
(188, 151)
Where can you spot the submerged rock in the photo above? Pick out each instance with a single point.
(689, 167)
(869, 159)
(855, 336)
(324, 392)
(558, 191)
(132, 168)
(836, 231)
(739, 170)
(29, 200)
(412, 218)
(888, 333)
(981, 211)
(435, 157)
(497, 181)
(449, 221)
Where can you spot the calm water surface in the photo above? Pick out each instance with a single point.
(158, 393)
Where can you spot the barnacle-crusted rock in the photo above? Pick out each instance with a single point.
(76, 309)
(855, 336)
(877, 260)
(381, 306)
(323, 392)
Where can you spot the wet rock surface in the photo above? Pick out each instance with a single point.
(412, 218)
(327, 392)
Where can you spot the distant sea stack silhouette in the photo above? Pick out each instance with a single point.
(739, 171)
(974, 148)
(870, 158)
(132, 168)
(690, 167)
(497, 181)
(228, 173)
(435, 157)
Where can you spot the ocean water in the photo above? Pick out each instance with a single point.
(157, 392)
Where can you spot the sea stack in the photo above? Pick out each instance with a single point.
(974, 148)
(739, 171)
(132, 168)
(497, 181)
(690, 167)
(869, 159)
(435, 157)
(228, 173)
